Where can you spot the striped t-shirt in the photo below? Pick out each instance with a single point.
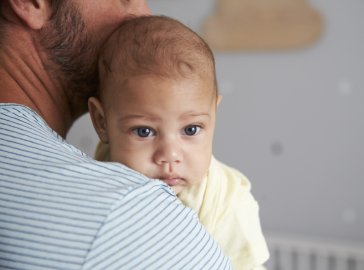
(60, 209)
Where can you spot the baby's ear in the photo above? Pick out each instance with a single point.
(98, 118)
(219, 98)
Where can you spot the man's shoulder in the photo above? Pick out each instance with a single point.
(36, 157)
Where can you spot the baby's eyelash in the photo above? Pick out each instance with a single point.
(143, 132)
(191, 130)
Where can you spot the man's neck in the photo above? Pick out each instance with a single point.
(25, 80)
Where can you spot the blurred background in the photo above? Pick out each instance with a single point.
(292, 120)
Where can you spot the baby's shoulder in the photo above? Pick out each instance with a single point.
(229, 175)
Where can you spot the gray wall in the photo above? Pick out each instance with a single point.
(292, 122)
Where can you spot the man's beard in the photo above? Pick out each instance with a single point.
(72, 54)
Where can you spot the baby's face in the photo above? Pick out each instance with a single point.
(162, 127)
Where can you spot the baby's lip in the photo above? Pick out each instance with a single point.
(171, 180)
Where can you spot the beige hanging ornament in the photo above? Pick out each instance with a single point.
(262, 25)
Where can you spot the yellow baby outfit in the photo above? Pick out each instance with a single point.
(230, 213)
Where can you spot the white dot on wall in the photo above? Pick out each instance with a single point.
(345, 87)
(349, 216)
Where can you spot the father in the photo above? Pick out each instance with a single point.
(60, 209)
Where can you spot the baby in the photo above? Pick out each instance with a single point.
(155, 112)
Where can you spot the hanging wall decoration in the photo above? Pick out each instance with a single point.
(262, 25)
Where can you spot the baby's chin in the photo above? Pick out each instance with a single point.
(176, 189)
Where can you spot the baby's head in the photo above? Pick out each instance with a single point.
(157, 101)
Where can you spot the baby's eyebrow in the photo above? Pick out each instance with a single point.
(195, 114)
(137, 116)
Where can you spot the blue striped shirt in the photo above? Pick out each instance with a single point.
(60, 209)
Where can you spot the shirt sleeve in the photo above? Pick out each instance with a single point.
(238, 227)
(150, 229)
(240, 235)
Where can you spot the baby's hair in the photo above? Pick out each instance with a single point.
(158, 46)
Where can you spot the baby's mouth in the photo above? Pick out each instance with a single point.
(172, 180)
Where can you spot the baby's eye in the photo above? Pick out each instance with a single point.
(191, 130)
(143, 132)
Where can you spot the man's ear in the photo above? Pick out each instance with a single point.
(33, 13)
(98, 118)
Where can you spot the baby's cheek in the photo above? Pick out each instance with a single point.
(199, 176)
